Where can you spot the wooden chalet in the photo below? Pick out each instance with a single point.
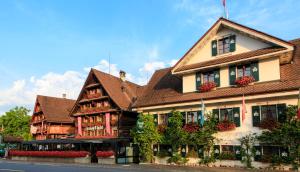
(50, 119)
(102, 112)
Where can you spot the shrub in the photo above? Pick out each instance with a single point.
(61, 154)
(104, 154)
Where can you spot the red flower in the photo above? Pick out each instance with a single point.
(269, 123)
(244, 81)
(161, 128)
(226, 125)
(62, 154)
(104, 154)
(207, 86)
(191, 128)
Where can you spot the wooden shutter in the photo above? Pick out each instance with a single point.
(258, 153)
(155, 117)
(217, 77)
(232, 75)
(232, 43)
(281, 112)
(236, 116)
(216, 151)
(255, 116)
(183, 118)
(255, 71)
(216, 113)
(237, 152)
(198, 81)
(214, 48)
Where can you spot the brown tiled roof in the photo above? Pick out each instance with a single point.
(234, 23)
(165, 88)
(122, 93)
(56, 109)
(227, 59)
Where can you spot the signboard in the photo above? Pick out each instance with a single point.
(93, 128)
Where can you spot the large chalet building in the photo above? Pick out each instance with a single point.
(228, 64)
(51, 119)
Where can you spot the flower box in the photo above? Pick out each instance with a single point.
(269, 123)
(226, 125)
(62, 154)
(207, 86)
(191, 128)
(92, 96)
(105, 154)
(244, 81)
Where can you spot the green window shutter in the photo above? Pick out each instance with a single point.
(198, 81)
(258, 153)
(232, 43)
(155, 117)
(183, 118)
(255, 116)
(281, 112)
(214, 48)
(236, 116)
(217, 151)
(217, 77)
(216, 113)
(237, 152)
(232, 75)
(255, 71)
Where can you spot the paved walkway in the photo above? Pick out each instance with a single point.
(21, 166)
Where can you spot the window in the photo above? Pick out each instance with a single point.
(208, 77)
(243, 70)
(192, 117)
(268, 111)
(265, 112)
(226, 114)
(163, 119)
(223, 45)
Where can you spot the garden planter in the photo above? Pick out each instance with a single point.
(226, 126)
(207, 86)
(244, 81)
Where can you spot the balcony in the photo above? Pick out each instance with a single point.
(92, 97)
(94, 110)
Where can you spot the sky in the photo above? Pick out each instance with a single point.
(48, 47)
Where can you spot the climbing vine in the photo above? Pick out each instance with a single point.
(247, 149)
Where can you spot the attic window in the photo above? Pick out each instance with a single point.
(223, 45)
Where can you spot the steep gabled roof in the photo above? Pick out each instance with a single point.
(165, 88)
(56, 109)
(122, 93)
(236, 26)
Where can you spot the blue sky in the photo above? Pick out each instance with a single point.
(47, 47)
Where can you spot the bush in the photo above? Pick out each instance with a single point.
(61, 154)
(177, 159)
(227, 156)
(104, 154)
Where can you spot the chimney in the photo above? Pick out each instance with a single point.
(122, 75)
(64, 95)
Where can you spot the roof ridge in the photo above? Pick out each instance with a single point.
(55, 97)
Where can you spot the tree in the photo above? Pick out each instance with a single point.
(286, 135)
(145, 135)
(15, 122)
(175, 135)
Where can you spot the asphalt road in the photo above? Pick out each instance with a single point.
(18, 166)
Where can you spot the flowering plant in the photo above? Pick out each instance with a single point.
(62, 154)
(269, 123)
(244, 81)
(207, 86)
(94, 109)
(162, 128)
(226, 125)
(191, 128)
(104, 154)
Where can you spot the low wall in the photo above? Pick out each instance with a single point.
(83, 160)
(226, 163)
(108, 160)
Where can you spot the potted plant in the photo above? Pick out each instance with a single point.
(226, 125)
(191, 128)
(208, 86)
(244, 81)
(269, 123)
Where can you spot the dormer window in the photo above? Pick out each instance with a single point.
(223, 45)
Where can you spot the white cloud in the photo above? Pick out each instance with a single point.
(23, 92)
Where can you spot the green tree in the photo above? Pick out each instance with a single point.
(286, 135)
(175, 135)
(145, 136)
(16, 122)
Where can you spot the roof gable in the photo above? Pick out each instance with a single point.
(248, 40)
(55, 109)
